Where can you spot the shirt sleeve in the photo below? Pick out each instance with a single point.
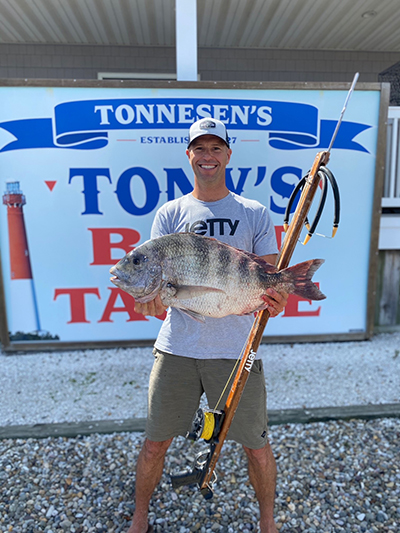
(160, 225)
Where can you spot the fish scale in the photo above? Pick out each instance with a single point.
(204, 277)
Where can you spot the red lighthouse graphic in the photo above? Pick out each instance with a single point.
(24, 316)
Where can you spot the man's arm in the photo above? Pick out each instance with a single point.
(271, 259)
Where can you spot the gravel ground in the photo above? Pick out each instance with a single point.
(112, 384)
(332, 477)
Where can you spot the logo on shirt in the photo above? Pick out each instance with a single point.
(214, 226)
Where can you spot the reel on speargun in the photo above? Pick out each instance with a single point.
(206, 425)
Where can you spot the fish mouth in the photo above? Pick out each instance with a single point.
(117, 281)
(123, 285)
(117, 275)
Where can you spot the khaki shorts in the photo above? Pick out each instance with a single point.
(177, 384)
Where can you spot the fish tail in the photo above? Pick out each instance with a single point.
(300, 275)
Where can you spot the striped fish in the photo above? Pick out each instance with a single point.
(204, 277)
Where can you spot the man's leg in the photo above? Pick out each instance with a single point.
(149, 469)
(262, 475)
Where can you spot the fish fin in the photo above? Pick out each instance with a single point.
(185, 292)
(300, 276)
(268, 268)
(196, 316)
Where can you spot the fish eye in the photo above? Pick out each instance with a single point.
(138, 259)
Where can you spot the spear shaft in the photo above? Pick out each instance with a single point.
(255, 336)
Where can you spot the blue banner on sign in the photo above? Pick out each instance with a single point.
(85, 124)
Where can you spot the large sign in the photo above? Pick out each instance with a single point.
(83, 171)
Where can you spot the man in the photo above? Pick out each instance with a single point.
(192, 358)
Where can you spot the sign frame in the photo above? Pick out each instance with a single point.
(12, 346)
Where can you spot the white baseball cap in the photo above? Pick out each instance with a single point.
(208, 126)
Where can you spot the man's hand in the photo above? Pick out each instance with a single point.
(153, 308)
(276, 301)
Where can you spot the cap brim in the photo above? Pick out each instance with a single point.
(208, 133)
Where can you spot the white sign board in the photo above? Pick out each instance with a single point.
(94, 164)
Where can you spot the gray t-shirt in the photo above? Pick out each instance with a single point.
(234, 220)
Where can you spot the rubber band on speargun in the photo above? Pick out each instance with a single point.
(323, 173)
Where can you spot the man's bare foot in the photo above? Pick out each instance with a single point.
(141, 526)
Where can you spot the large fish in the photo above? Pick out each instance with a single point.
(204, 277)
